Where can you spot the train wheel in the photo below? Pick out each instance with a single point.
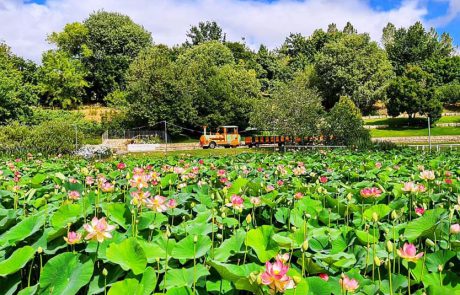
(212, 145)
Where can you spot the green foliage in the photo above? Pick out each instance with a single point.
(448, 94)
(105, 43)
(353, 66)
(413, 93)
(62, 80)
(345, 125)
(204, 32)
(294, 109)
(414, 45)
(202, 87)
(16, 95)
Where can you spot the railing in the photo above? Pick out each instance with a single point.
(436, 147)
(300, 147)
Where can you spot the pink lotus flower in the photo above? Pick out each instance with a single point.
(121, 166)
(89, 180)
(280, 182)
(98, 230)
(72, 238)
(72, 180)
(448, 181)
(74, 195)
(427, 175)
(324, 276)
(139, 198)
(323, 179)
(413, 187)
(409, 252)
(298, 196)
(107, 187)
(220, 172)
(370, 192)
(236, 202)
(347, 284)
(172, 203)
(255, 201)
(378, 165)
(419, 211)
(455, 229)
(448, 174)
(157, 204)
(201, 161)
(269, 188)
(276, 278)
(139, 181)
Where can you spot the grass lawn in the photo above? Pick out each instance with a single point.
(406, 132)
(404, 121)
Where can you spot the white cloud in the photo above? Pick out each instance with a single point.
(453, 11)
(24, 26)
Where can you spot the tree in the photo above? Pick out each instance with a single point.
(349, 29)
(414, 45)
(203, 86)
(353, 66)
(413, 93)
(62, 80)
(345, 125)
(204, 32)
(156, 89)
(448, 93)
(106, 43)
(16, 95)
(293, 109)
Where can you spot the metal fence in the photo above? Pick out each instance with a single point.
(135, 134)
(435, 147)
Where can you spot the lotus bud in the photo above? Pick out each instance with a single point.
(349, 197)
(219, 236)
(294, 229)
(192, 205)
(308, 216)
(105, 272)
(377, 261)
(389, 246)
(259, 280)
(248, 218)
(429, 242)
(223, 215)
(168, 232)
(305, 245)
(39, 250)
(375, 216)
(253, 277)
(195, 239)
(297, 279)
(440, 268)
(451, 264)
(394, 215)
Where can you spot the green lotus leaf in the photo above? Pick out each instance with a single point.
(65, 274)
(260, 239)
(187, 248)
(128, 254)
(17, 260)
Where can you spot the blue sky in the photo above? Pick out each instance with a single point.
(24, 24)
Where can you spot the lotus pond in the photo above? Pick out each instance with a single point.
(331, 222)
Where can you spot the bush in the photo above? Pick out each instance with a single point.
(50, 137)
(345, 125)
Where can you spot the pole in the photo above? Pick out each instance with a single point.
(76, 138)
(166, 137)
(429, 133)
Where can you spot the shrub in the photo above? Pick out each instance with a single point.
(345, 125)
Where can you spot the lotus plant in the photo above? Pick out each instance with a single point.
(275, 275)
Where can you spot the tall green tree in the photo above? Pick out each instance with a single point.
(353, 66)
(293, 109)
(16, 94)
(106, 43)
(413, 93)
(204, 32)
(61, 80)
(414, 45)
